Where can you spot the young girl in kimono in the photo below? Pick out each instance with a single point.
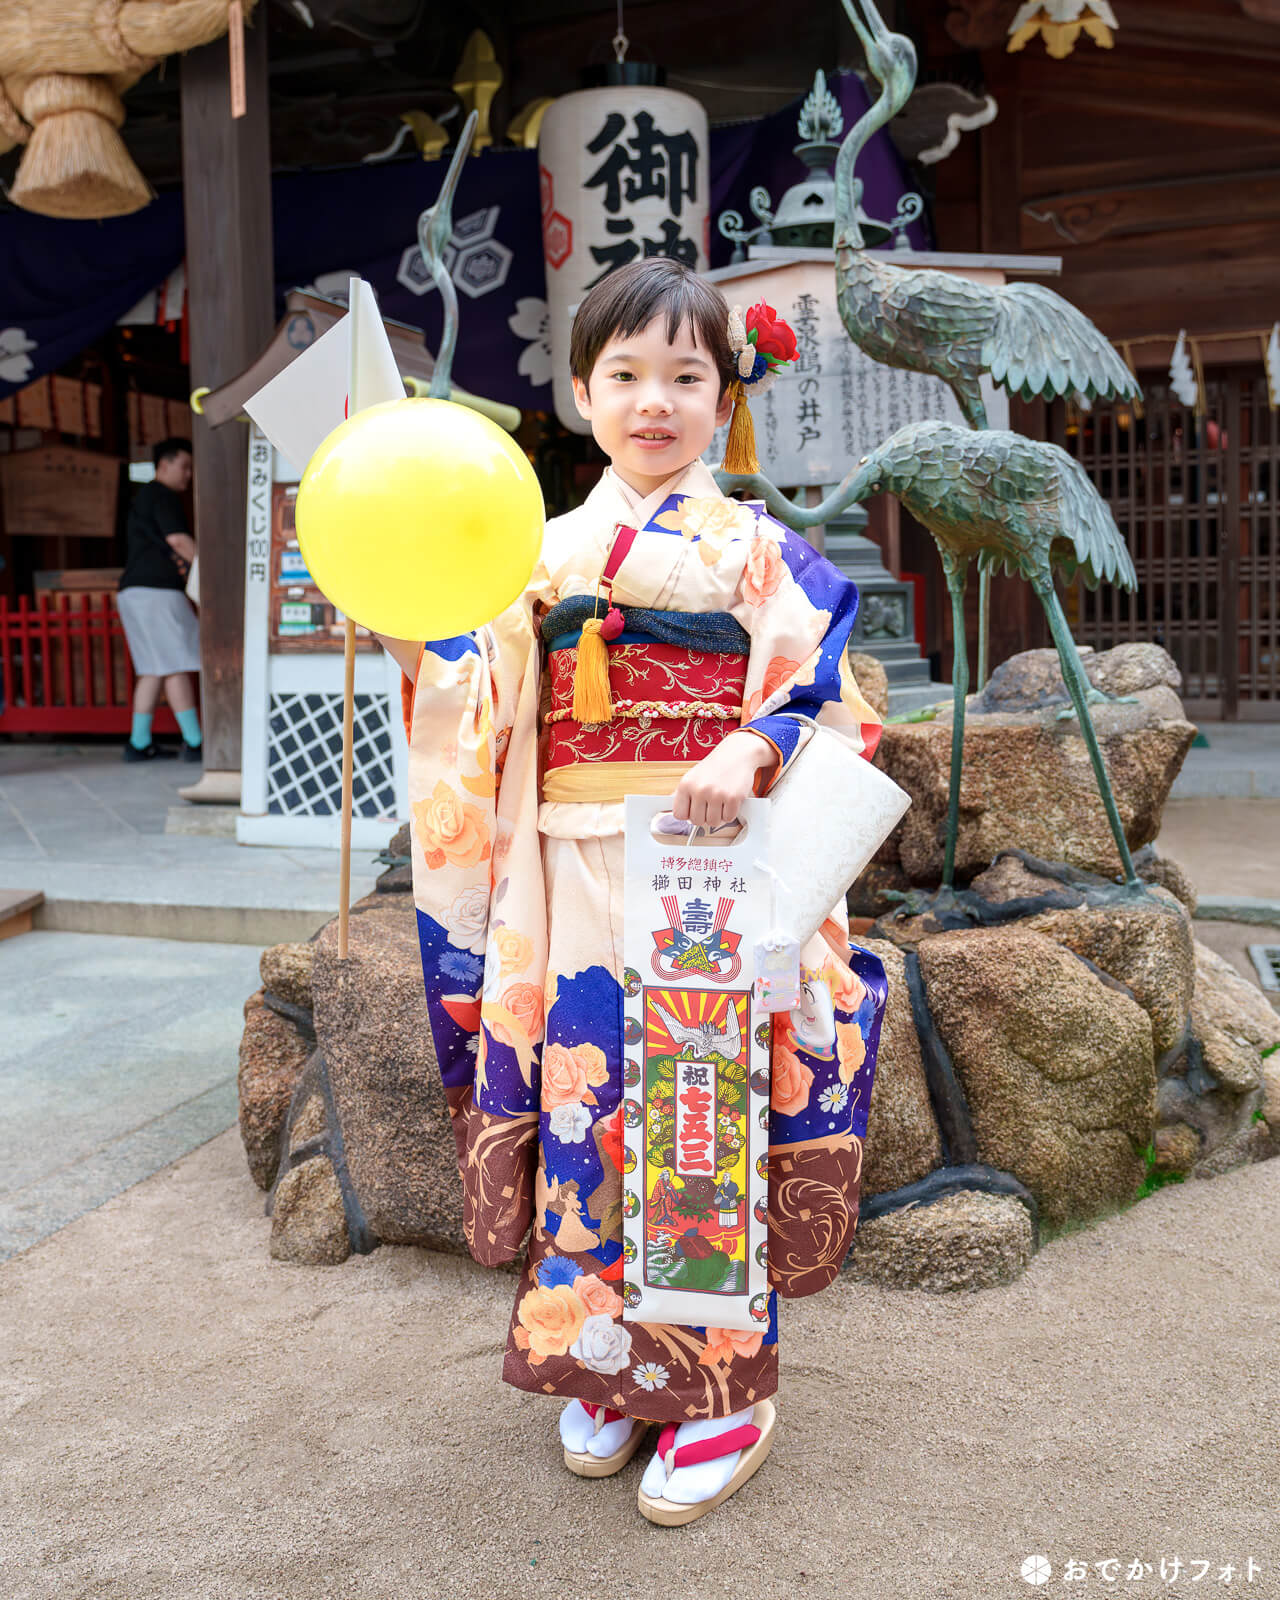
(525, 737)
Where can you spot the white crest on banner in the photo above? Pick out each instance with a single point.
(15, 363)
(532, 322)
(477, 262)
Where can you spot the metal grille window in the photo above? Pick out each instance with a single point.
(1197, 499)
(304, 760)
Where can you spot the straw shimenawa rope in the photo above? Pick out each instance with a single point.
(75, 163)
(64, 65)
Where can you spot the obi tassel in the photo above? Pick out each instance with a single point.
(740, 447)
(591, 699)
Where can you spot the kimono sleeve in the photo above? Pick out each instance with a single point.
(799, 611)
(481, 909)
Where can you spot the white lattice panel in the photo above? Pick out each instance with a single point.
(304, 756)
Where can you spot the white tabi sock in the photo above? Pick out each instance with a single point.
(689, 1486)
(577, 1432)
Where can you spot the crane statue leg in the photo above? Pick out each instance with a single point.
(956, 569)
(968, 393)
(1077, 686)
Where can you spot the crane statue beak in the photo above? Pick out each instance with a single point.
(435, 225)
(891, 57)
(873, 30)
(866, 481)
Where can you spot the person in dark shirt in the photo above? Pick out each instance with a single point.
(159, 622)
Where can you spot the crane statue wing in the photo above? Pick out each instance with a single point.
(921, 315)
(1016, 502)
(1097, 550)
(1041, 345)
(1035, 489)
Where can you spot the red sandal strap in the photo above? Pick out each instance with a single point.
(720, 1444)
(609, 1414)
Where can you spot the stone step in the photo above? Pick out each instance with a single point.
(207, 821)
(902, 674)
(911, 697)
(17, 910)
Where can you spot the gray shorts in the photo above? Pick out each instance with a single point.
(162, 630)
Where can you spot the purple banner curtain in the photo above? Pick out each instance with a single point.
(63, 284)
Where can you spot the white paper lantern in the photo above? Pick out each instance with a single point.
(625, 173)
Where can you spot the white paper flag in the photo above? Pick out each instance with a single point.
(346, 369)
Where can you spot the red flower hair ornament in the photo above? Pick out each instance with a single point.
(761, 343)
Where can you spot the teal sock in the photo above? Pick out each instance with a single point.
(189, 722)
(140, 738)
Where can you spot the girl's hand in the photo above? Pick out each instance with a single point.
(713, 792)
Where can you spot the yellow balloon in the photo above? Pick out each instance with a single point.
(420, 518)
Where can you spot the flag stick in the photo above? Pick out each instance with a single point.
(354, 402)
(348, 718)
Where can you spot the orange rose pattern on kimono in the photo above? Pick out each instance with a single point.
(520, 917)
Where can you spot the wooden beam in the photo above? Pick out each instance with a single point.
(1168, 85)
(1135, 314)
(1154, 357)
(1083, 217)
(1000, 159)
(226, 190)
(1112, 154)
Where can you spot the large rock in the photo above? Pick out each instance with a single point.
(1057, 1066)
(1145, 944)
(308, 1222)
(1229, 1004)
(902, 1136)
(285, 969)
(1270, 1106)
(371, 1026)
(1152, 867)
(968, 1240)
(272, 1055)
(872, 680)
(1027, 781)
(1032, 680)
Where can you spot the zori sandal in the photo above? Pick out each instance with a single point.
(750, 1441)
(587, 1465)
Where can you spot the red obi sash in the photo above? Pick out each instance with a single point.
(670, 704)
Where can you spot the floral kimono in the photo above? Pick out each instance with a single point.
(728, 619)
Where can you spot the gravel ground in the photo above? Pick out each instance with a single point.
(182, 1417)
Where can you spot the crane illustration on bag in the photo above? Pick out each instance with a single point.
(704, 1039)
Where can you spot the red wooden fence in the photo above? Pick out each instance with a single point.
(65, 668)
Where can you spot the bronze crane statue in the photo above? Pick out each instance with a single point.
(1014, 502)
(1029, 340)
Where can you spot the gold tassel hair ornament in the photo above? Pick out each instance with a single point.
(762, 344)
